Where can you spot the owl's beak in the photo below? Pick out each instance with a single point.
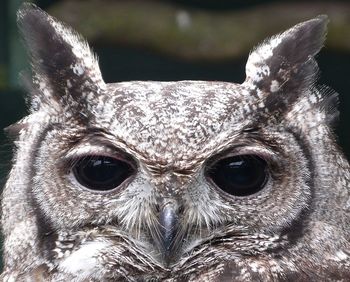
(168, 219)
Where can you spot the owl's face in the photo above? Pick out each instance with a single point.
(181, 180)
(175, 168)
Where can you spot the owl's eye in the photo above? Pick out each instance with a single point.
(239, 175)
(101, 173)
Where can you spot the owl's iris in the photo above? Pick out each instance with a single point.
(239, 175)
(101, 173)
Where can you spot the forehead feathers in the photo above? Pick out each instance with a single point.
(170, 116)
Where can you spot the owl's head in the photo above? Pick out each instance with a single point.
(186, 179)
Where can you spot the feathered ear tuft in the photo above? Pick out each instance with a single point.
(63, 66)
(285, 63)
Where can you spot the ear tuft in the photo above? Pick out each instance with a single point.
(63, 65)
(285, 63)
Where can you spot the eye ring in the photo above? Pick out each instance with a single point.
(102, 173)
(239, 175)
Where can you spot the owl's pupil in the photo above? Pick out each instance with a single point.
(239, 175)
(101, 173)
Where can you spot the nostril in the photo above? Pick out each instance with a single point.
(181, 209)
(157, 208)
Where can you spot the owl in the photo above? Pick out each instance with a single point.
(175, 181)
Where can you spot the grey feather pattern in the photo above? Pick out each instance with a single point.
(296, 228)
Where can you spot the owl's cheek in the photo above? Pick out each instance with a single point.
(84, 261)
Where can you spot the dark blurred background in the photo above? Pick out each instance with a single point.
(176, 40)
